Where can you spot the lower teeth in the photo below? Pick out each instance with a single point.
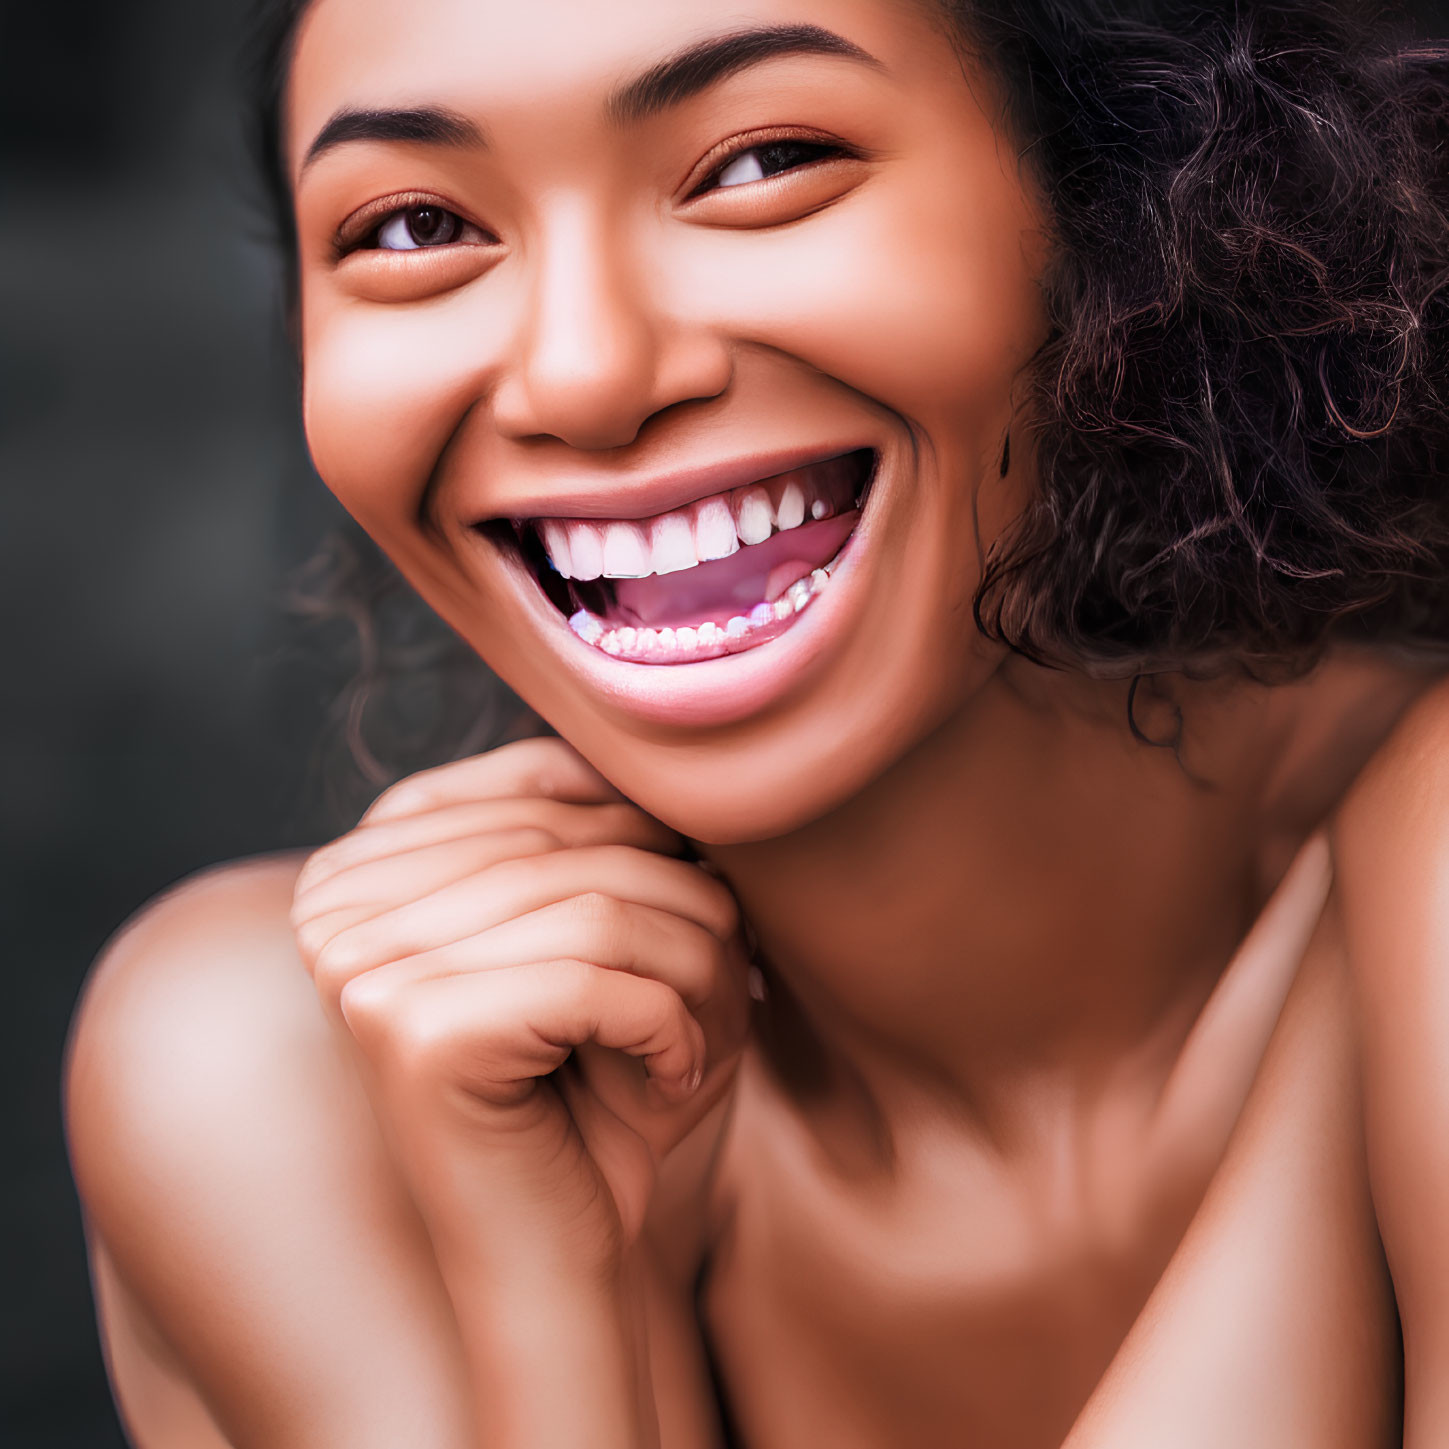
(703, 641)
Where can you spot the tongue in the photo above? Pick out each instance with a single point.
(718, 590)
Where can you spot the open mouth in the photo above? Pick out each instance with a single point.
(721, 575)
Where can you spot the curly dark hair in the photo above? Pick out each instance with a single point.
(1240, 418)
(1242, 411)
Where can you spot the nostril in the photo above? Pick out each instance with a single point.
(593, 364)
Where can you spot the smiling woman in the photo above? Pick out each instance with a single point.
(638, 275)
(858, 429)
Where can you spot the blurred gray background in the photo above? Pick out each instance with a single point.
(160, 712)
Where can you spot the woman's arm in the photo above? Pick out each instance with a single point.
(1392, 846)
(1272, 1327)
(236, 1178)
(545, 1001)
(1275, 1323)
(255, 1255)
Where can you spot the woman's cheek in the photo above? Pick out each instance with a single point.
(384, 390)
(912, 302)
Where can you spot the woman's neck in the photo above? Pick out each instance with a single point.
(1033, 890)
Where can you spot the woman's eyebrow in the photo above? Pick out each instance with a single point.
(707, 62)
(433, 125)
(668, 83)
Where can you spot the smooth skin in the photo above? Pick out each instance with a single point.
(1095, 1089)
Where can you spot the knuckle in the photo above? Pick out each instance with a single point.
(720, 911)
(726, 917)
(419, 1045)
(399, 1035)
(369, 1006)
(337, 962)
(603, 916)
(573, 979)
(537, 840)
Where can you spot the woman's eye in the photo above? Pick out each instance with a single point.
(770, 159)
(419, 226)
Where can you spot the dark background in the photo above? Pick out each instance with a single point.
(159, 711)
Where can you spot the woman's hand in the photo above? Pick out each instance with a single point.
(547, 998)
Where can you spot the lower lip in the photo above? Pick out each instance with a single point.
(731, 687)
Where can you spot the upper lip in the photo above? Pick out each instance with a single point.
(637, 496)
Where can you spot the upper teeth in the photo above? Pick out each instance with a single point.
(712, 528)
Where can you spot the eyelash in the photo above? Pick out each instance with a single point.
(360, 233)
(365, 237)
(826, 148)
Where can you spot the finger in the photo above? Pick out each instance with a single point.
(514, 887)
(384, 844)
(494, 1033)
(316, 921)
(378, 842)
(539, 767)
(617, 935)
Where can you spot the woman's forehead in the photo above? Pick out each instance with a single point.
(481, 57)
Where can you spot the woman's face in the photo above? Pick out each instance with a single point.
(719, 307)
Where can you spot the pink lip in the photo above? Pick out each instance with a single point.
(623, 496)
(731, 688)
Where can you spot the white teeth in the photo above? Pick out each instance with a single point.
(586, 552)
(754, 518)
(706, 639)
(671, 545)
(714, 530)
(586, 626)
(626, 553)
(556, 542)
(791, 512)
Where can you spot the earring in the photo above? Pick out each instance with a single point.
(1006, 454)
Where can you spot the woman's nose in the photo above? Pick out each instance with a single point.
(598, 352)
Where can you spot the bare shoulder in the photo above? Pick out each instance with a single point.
(1405, 786)
(1390, 843)
(197, 995)
(1391, 855)
(218, 939)
(198, 1006)
(258, 1264)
